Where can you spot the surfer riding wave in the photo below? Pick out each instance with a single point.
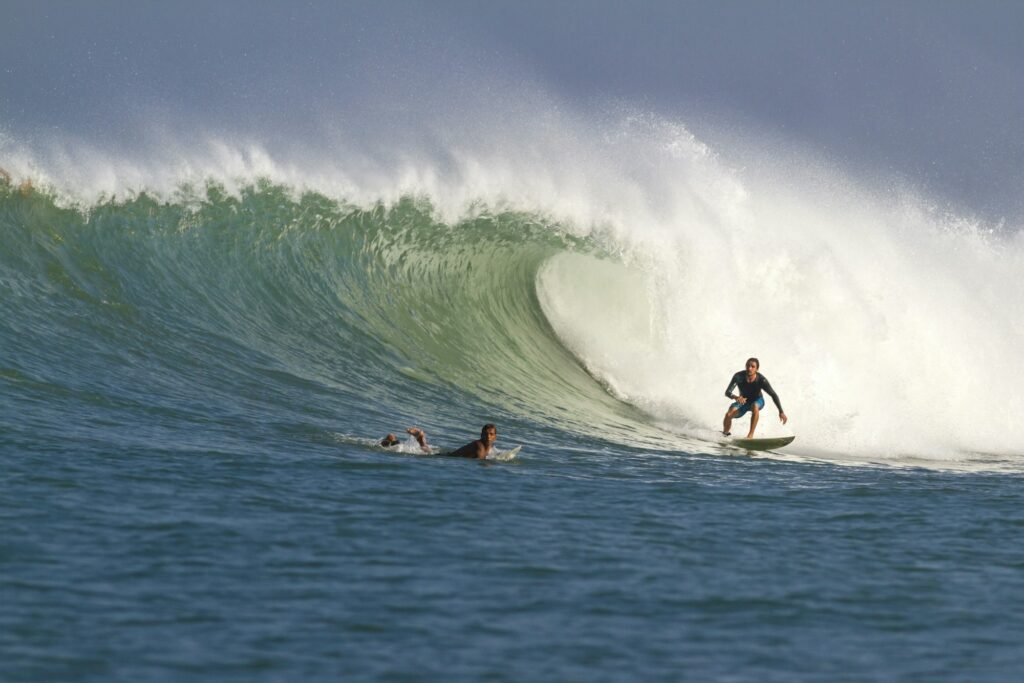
(751, 384)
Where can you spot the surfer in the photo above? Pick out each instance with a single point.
(419, 434)
(750, 383)
(478, 449)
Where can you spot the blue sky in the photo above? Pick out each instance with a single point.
(930, 90)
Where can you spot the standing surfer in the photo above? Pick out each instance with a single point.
(750, 383)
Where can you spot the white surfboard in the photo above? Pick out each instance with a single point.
(505, 456)
(767, 444)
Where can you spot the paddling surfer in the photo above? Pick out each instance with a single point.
(478, 449)
(419, 434)
(750, 383)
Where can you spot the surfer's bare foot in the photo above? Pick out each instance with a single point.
(421, 437)
(726, 433)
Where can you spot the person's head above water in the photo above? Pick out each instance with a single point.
(488, 433)
(389, 440)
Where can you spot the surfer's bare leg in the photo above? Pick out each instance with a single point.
(754, 413)
(727, 422)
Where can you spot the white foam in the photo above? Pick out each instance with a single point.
(887, 326)
(889, 329)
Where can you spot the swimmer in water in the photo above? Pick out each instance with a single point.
(419, 434)
(478, 449)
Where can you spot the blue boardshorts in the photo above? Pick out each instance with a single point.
(745, 408)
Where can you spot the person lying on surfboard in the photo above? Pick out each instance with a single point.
(478, 449)
(750, 383)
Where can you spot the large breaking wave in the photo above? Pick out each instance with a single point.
(605, 282)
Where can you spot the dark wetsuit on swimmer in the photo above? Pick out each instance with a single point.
(752, 390)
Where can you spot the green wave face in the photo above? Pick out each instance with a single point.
(264, 306)
(287, 315)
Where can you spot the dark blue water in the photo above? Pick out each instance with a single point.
(189, 391)
(304, 560)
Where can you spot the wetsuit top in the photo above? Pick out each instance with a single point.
(752, 390)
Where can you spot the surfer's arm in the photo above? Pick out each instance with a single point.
(728, 389)
(475, 449)
(767, 387)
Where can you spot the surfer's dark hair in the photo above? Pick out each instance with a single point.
(483, 430)
(753, 360)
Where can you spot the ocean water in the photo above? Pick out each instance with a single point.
(260, 236)
(192, 378)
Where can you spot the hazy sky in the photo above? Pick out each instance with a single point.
(932, 90)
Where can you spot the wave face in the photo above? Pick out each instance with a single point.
(217, 311)
(603, 285)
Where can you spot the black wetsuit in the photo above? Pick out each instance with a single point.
(752, 390)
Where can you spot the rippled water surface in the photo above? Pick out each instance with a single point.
(311, 560)
(189, 395)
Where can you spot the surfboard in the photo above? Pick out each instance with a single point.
(760, 444)
(505, 455)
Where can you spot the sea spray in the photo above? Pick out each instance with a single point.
(513, 275)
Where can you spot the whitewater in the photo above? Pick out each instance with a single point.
(605, 276)
(241, 242)
(204, 332)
